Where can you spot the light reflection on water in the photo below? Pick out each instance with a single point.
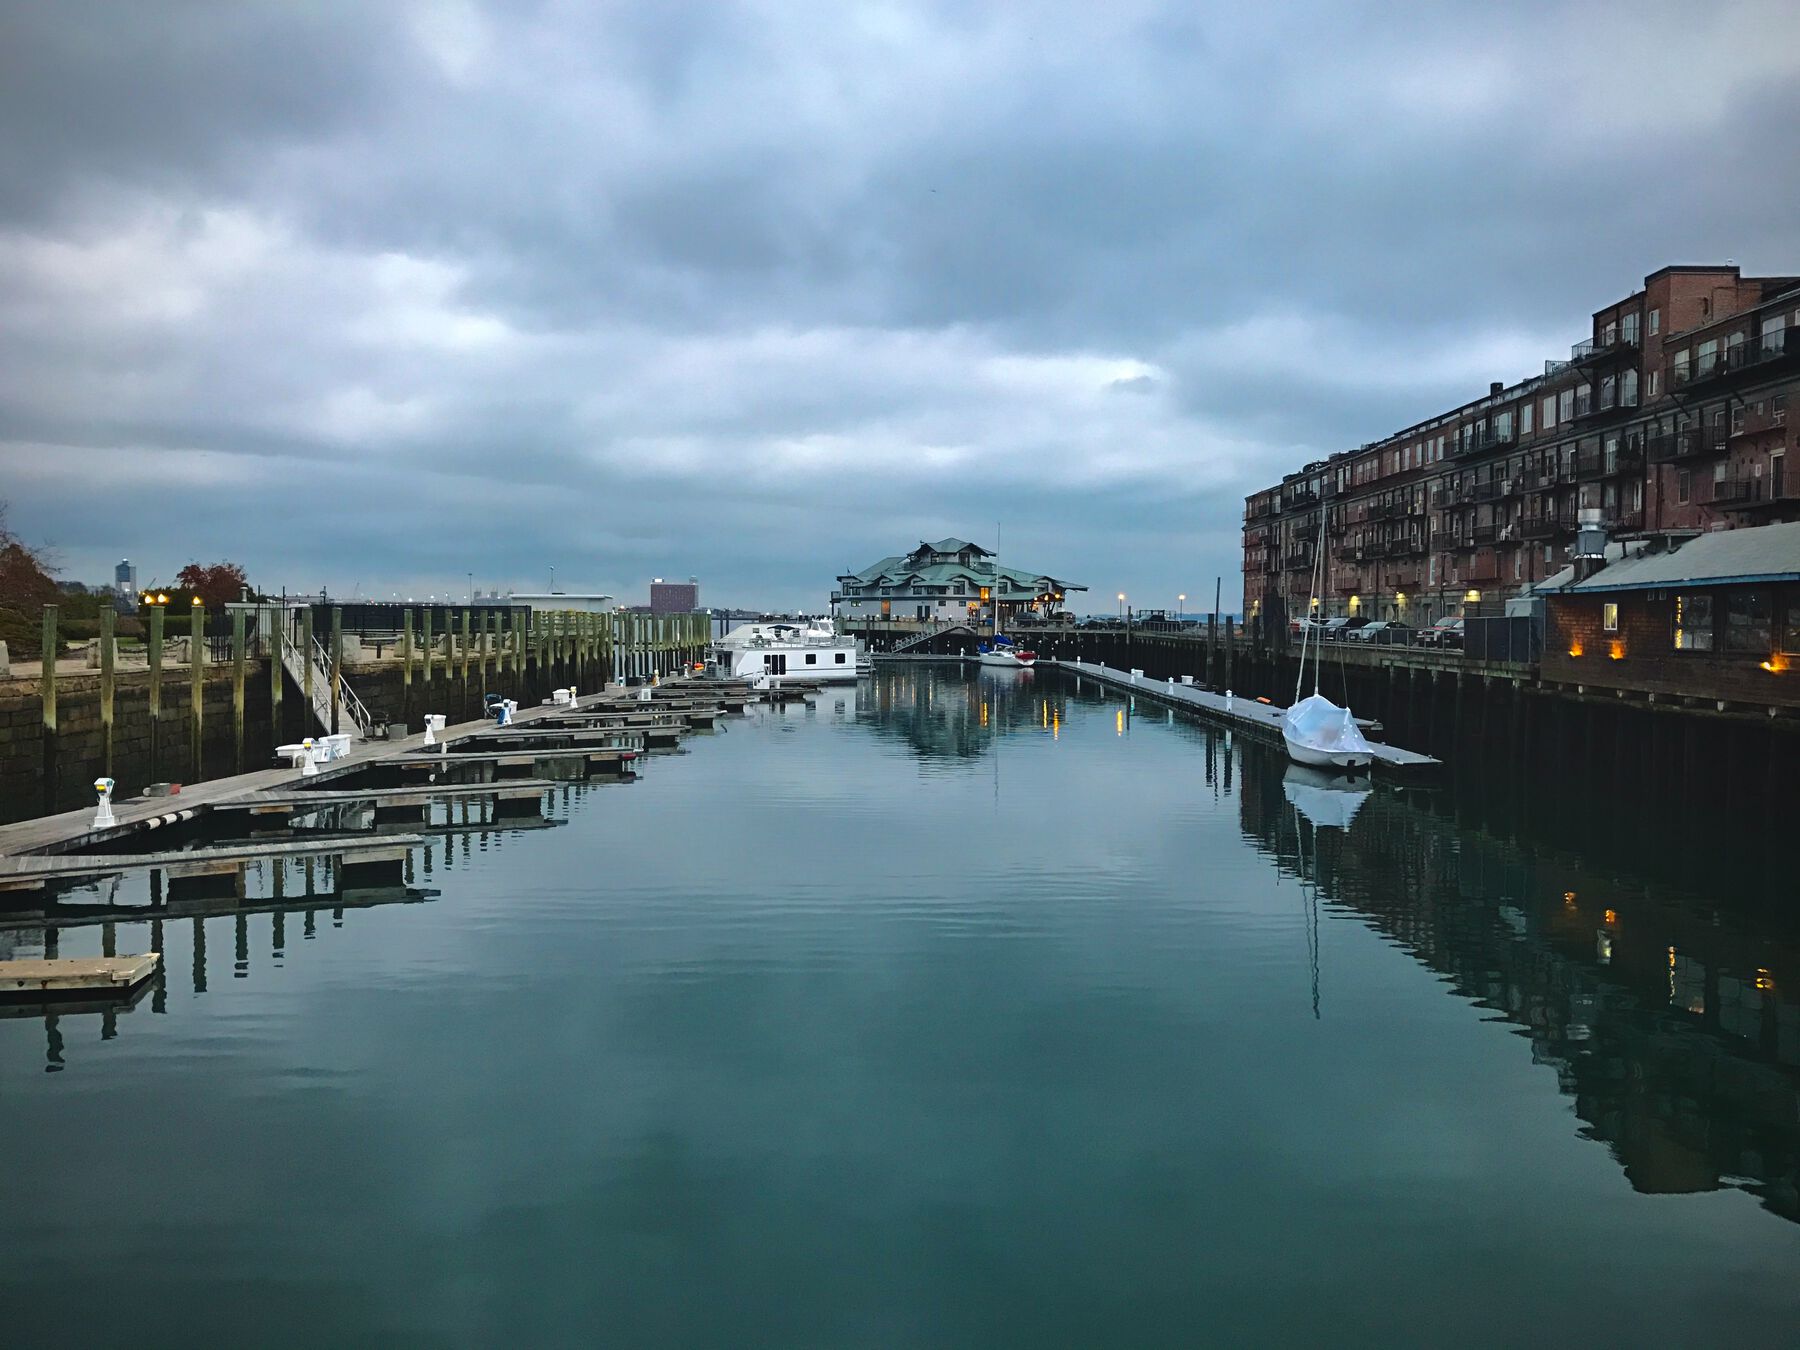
(947, 1010)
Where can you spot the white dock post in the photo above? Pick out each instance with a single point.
(103, 812)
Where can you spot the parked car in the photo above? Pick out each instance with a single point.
(1444, 633)
(1343, 626)
(1384, 631)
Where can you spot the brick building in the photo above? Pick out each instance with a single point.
(1671, 419)
(1718, 618)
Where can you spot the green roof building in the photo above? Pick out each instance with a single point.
(946, 581)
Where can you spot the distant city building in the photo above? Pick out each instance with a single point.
(125, 577)
(562, 601)
(949, 579)
(674, 597)
(1670, 420)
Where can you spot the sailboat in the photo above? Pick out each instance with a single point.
(1002, 651)
(1316, 730)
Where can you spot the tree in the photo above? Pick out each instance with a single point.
(26, 586)
(215, 585)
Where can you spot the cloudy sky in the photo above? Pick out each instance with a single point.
(372, 296)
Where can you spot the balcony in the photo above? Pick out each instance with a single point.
(1691, 443)
(1445, 539)
(1298, 560)
(1482, 567)
(1484, 439)
(1385, 510)
(1547, 526)
(1626, 522)
(1736, 491)
(1483, 534)
(1485, 492)
(1404, 548)
(1348, 553)
(1590, 464)
(1598, 349)
(1300, 499)
(1259, 510)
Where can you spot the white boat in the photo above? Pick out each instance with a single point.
(810, 651)
(1318, 732)
(1001, 652)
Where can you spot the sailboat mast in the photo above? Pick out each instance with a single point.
(1319, 564)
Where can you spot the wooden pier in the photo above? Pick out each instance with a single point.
(1241, 714)
(38, 979)
(70, 847)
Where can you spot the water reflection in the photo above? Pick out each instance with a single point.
(1663, 1016)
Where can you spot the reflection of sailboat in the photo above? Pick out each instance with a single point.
(1316, 730)
(1327, 800)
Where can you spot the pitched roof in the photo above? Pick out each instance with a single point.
(1766, 553)
(955, 546)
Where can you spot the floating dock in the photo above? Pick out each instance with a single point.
(1241, 714)
(76, 976)
(69, 846)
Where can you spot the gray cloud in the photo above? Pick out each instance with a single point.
(762, 291)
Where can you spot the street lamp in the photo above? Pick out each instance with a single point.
(1121, 606)
(1180, 601)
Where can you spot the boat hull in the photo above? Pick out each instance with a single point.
(1314, 757)
(1006, 660)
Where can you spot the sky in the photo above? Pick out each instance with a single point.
(374, 297)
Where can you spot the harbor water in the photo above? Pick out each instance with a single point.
(956, 1008)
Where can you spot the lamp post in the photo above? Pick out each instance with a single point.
(1180, 601)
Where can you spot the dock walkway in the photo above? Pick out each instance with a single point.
(1241, 714)
(62, 846)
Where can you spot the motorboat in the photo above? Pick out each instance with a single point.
(787, 650)
(1003, 652)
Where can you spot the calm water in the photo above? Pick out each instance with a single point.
(946, 1012)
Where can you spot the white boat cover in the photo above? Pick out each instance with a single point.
(1315, 721)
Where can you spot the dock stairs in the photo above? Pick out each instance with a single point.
(920, 639)
(351, 710)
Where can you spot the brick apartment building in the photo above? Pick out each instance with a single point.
(1670, 420)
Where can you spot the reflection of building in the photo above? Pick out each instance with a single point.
(947, 580)
(955, 716)
(674, 597)
(1666, 1028)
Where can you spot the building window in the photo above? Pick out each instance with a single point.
(1737, 419)
(1655, 380)
(1778, 410)
(1655, 322)
(1789, 632)
(1684, 486)
(1609, 617)
(1748, 622)
(1693, 622)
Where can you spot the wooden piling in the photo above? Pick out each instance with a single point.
(277, 620)
(425, 653)
(156, 655)
(406, 663)
(237, 690)
(337, 666)
(196, 687)
(108, 619)
(47, 696)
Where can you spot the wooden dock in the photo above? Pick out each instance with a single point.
(1241, 714)
(79, 975)
(69, 847)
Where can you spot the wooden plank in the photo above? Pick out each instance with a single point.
(402, 796)
(76, 974)
(62, 865)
